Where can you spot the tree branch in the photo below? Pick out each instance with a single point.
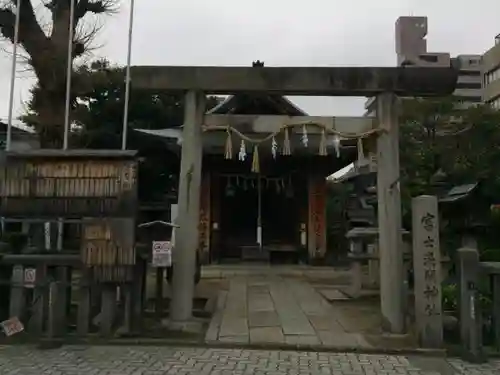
(31, 36)
(7, 23)
(95, 6)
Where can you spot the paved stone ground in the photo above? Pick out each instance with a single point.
(277, 310)
(335, 275)
(162, 360)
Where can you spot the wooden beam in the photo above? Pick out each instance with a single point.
(314, 81)
(272, 123)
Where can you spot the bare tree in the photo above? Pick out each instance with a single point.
(45, 43)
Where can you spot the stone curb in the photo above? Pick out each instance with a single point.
(51, 344)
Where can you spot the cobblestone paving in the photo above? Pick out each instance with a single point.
(161, 360)
(492, 368)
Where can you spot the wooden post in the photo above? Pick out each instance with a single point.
(496, 308)
(160, 279)
(184, 256)
(389, 216)
(54, 305)
(17, 293)
(137, 294)
(128, 296)
(205, 225)
(84, 304)
(469, 307)
(39, 301)
(427, 271)
(61, 299)
(108, 309)
(316, 236)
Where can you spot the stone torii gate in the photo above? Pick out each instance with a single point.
(386, 84)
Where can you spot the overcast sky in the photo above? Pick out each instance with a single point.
(282, 33)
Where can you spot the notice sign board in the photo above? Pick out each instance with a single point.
(29, 277)
(11, 326)
(162, 254)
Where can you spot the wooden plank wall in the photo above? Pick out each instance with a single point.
(108, 248)
(205, 223)
(67, 179)
(51, 187)
(215, 211)
(316, 228)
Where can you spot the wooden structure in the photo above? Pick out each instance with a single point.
(279, 212)
(464, 209)
(384, 83)
(472, 310)
(86, 193)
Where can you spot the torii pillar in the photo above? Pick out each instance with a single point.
(184, 256)
(392, 287)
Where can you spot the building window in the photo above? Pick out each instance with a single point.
(429, 58)
(492, 75)
(472, 73)
(496, 103)
(469, 85)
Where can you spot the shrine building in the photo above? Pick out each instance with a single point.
(263, 190)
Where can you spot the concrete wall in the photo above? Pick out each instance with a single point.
(491, 75)
(411, 49)
(410, 37)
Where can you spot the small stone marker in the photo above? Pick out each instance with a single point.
(427, 270)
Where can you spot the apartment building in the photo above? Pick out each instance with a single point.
(491, 75)
(411, 50)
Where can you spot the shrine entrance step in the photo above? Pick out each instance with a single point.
(254, 253)
(280, 311)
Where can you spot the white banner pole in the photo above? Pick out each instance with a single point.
(69, 71)
(13, 75)
(127, 76)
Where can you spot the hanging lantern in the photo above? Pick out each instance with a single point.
(286, 144)
(274, 148)
(242, 155)
(336, 145)
(304, 138)
(322, 144)
(228, 154)
(255, 160)
(361, 152)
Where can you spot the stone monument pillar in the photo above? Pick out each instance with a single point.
(427, 271)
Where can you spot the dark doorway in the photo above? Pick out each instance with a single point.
(239, 212)
(280, 202)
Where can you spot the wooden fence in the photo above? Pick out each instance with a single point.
(44, 289)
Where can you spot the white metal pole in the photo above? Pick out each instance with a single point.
(13, 75)
(67, 109)
(69, 72)
(127, 76)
